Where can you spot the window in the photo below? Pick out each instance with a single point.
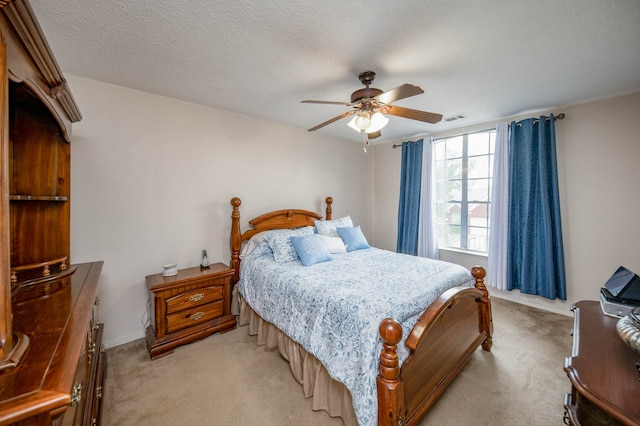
(464, 169)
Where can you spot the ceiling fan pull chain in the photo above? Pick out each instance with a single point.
(365, 142)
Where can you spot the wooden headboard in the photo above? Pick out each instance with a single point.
(278, 219)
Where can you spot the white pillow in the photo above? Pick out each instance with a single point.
(253, 242)
(328, 227)
(281, 245)
(333, 244)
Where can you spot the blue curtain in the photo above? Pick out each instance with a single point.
(535, 259)
(409, 206)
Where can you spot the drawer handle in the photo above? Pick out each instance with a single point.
(91, 351)
(76, 394)
(197, 316)
(197, 297)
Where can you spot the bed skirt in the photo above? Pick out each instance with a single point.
(328, 394)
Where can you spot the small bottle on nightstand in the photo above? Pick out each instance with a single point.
(205, 261)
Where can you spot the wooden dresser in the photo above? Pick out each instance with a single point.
(603, 370)
(188, 306)
(60, 379)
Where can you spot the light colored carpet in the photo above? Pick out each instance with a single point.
(226, 379)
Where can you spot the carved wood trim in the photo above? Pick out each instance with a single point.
(390, 388)
(235, 239)
(46, 100)
(23, 20)
(6, 327)
(486, 317)
(328, 212)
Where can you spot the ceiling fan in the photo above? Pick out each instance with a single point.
(370, 105)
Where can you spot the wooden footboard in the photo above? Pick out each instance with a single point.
(440, 344)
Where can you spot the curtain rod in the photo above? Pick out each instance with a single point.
(535, 120)
(399, 145)
(394, 146)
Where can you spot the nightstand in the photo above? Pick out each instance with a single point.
(188, 307)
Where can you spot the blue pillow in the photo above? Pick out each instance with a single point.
(310, 249)
(353, 238)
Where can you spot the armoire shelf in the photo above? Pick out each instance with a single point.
(38, 198)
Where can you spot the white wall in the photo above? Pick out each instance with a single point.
(598, 147)
(152, 178)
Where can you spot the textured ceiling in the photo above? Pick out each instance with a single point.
(483, 58)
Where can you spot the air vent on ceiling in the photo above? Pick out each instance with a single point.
(454, 118)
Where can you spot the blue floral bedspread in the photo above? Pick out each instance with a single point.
(333, 309)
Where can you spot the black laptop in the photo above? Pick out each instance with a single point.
(623, 286)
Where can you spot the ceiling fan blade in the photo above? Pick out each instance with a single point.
(325, 102)
(413, 114)
(346, 114)
(397, 93)
(374, 134)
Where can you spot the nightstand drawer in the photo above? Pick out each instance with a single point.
(197, 297)
(196, 315)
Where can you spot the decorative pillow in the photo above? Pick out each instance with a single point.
(353, 238)
(328, 227)
(332, 244)
(310, 249)
(253, 242)
(278, 240)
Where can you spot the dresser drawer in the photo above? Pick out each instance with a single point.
(196, 315)
(197, 297)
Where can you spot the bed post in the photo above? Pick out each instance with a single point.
(486, 321)
(236, 238)
(390, 388)
(329, 210)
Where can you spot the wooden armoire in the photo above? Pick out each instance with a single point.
(52, 363)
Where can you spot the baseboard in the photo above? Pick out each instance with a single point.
(123, 339)
(560, 307)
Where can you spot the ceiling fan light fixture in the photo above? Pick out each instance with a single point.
(378, 121)
(363, 120)
(374, 123)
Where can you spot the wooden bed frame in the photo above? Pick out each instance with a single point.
(440, 344)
